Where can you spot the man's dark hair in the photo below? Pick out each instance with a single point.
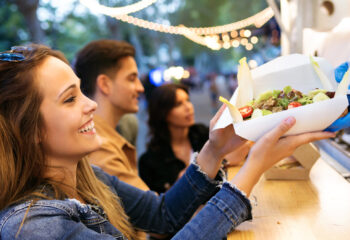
(100, 57)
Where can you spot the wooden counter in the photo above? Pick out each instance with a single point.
(315, 209)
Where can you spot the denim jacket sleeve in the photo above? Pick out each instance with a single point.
(168, 213)
(226, 210)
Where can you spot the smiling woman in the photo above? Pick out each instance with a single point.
(62, 99)
(47, 129)
(48, 189)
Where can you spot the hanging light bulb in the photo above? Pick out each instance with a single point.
(226, 37)
(254, 39)
(247, 33)
(226, 45)
(244, 41)
(241, 33)
(249, 46)
(234, 34)
(235, 43)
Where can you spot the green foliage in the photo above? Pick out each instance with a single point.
(75, 28)
(13, 30)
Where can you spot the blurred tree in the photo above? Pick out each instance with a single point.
(13, 30)
(28, 8)
(70, 30)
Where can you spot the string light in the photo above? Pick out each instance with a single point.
(249, 46)
(115, 11)
(247, 33)
(254, 39)
(258, 19)
(244, 41)
(226, 45)
(241, 33)
(235, 43)
(190, 33)
(206, 36)
(225, 37)
(234, 34)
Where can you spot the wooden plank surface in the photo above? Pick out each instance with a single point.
(318, 208)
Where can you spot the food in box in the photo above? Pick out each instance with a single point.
(292, 72)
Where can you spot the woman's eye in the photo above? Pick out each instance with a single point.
(70, 99)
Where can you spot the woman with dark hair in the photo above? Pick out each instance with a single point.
(174, 136)
(48, 189)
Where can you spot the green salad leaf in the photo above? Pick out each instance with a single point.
(287, 89)
(283, 102)
(275, 93)
(305, 100)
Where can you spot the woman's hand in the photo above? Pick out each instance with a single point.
(224, 140)
(270, 149)
(238, 155)
(221, 142)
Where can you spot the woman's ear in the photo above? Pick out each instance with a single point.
(103, 84)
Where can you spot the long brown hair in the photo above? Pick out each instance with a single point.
(22, 158)
(161, 102)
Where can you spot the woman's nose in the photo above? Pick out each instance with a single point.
(189, 105)
(90, 105)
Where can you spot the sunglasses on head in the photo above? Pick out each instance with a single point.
(14, 54)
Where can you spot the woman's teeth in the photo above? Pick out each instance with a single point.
(88, 128)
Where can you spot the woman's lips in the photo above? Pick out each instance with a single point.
(88, 128)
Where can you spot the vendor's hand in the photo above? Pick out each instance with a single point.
(340, 71)
(270, 149)
(343, 122)
(340, 123)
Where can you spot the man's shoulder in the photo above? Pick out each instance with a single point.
(110, 137)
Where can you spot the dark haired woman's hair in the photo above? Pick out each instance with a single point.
(100, 57)
(22, 156)
(161, 101)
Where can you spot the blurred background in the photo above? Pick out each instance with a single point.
(197, 43)
(69, 24)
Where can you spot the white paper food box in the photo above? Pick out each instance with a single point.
(296, 71)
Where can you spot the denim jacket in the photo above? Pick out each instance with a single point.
(168, 213)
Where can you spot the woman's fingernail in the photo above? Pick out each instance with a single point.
(290, 120)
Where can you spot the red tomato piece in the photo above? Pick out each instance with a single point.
(294, 105)
(246, 111)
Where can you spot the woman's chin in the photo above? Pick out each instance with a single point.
(95, 145)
